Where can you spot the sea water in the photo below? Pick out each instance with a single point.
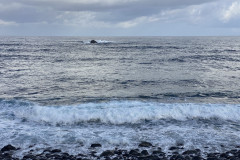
(66, 93)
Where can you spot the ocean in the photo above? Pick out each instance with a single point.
(66, 93)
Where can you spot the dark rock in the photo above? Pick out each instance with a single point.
(8, 147)
(173, 157)
(180, 157)
(118, 152)
(197, 158)
(48, 155)
(56, 151)
(192, 152)
(29, 156)
(126, 155)
(173, 148)
(93, 41)
(95, 145)
(152, 158)
(145, 144)
(93, 154)
(212, 158)
(213, 155)
(187, 158)
(145, 152)
(134, 152)
(224, 155)
(233, 151)
(107, 153)
(157, 152)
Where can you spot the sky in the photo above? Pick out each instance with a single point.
(120, 17)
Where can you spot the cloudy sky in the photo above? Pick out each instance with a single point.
(120, 17)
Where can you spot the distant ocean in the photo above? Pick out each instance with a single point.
(67, 93)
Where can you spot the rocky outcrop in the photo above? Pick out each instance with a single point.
(93, 41)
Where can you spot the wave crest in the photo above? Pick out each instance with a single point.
(119, 112)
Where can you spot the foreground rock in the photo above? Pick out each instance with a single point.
(145, 151)
(8, 147)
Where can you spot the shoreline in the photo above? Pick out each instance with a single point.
(144, 151)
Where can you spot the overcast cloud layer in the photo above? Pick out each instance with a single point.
(119, 17)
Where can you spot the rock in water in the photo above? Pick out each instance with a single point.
(145, 144)
(95, 145)
(107, 153)
(8, 148)
(93, 41)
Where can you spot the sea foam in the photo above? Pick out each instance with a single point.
(119, 112)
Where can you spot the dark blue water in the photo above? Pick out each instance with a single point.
(66, 92)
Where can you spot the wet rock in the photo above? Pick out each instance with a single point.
(29, 156)
(187, 158)
(107, 153)
(177, 157)
(7, 156)
(93, 41)
(233, 151)
(56, 151)
(197, 158)
(180, 157)
(224, 155)
(157, 152)
(173, 148)
(145, 144)
(95, 145)
(145, 152)
(8, 147)
(192, 152)
(151, 158)
(118, 152)
(134, 152)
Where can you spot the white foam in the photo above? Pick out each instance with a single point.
(120, 112)
(104, 41)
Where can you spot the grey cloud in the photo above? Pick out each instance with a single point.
(118, 16)
(107, 10)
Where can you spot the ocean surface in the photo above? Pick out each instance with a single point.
(66, 93)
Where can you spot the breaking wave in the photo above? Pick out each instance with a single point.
(117, 112)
